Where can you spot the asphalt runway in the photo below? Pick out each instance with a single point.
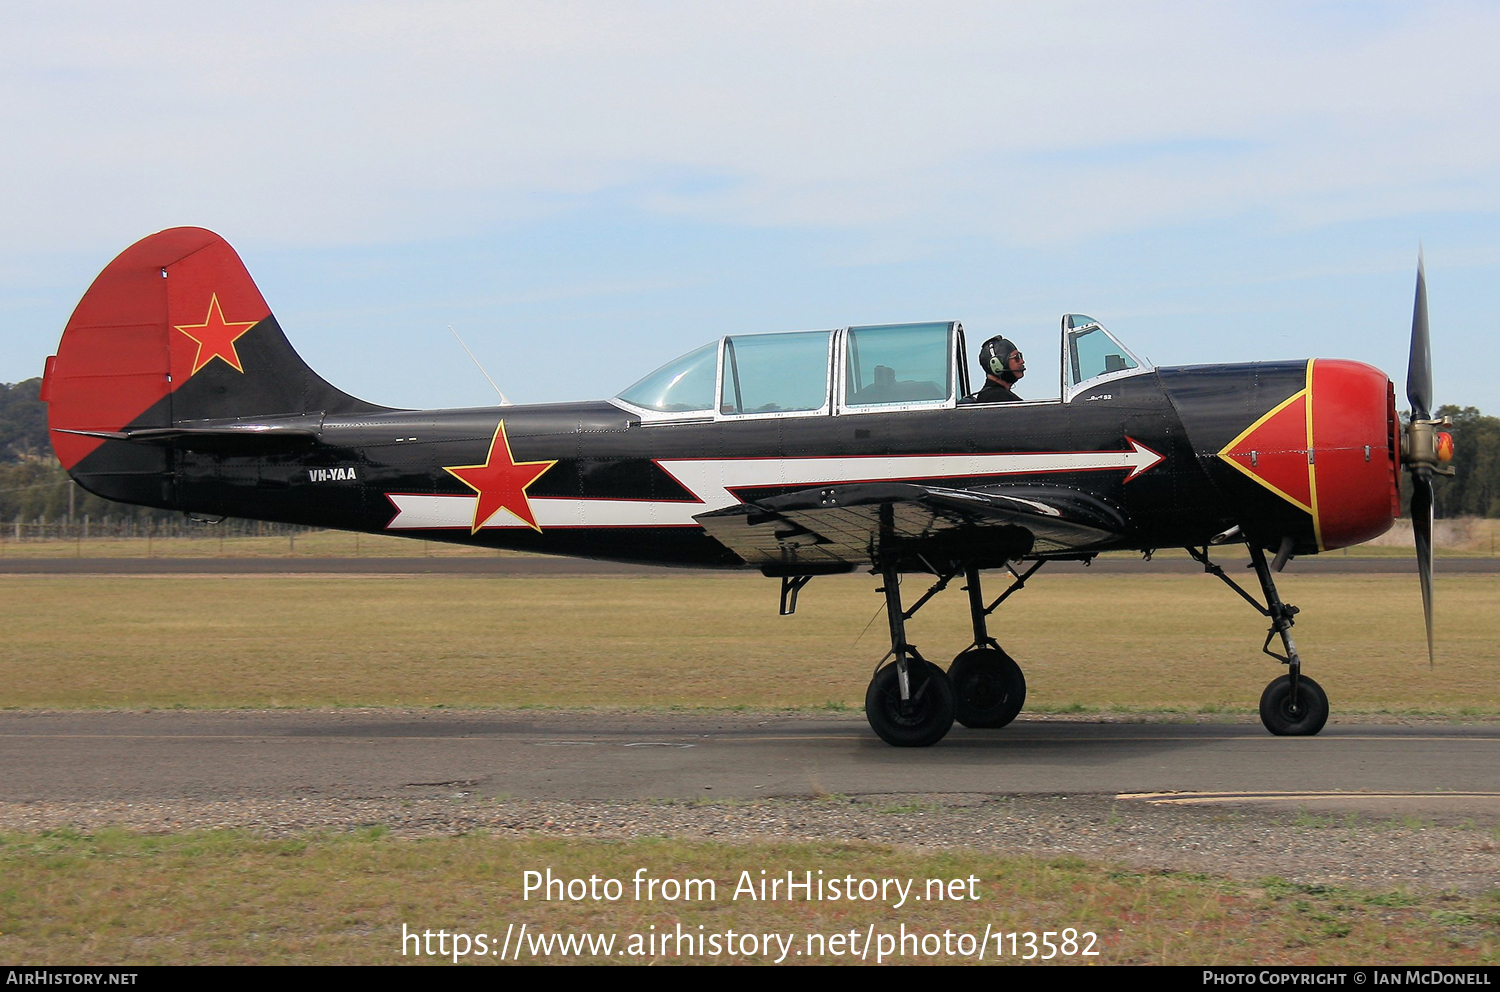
(1332, 564)
(337, 755)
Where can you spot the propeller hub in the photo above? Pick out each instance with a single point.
(1425, 450)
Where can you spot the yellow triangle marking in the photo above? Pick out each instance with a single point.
(1224, 452)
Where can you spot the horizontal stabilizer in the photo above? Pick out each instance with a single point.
(238, 439)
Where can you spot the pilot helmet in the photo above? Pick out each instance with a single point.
(994, 356)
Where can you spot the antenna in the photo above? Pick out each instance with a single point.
(503, 400)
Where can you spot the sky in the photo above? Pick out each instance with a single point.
(585, 190)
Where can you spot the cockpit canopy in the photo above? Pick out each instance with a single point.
(1092, 355)
(884, 367)
(880, 367)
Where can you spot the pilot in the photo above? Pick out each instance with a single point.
(1003, 365)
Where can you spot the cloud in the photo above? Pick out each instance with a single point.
(296, 125)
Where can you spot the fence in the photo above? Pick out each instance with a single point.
(108, 526)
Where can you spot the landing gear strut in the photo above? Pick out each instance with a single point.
(1293, 705)
(910, 701)
(989, 684)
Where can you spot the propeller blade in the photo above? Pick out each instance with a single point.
(1419, 365)
(1421, 525)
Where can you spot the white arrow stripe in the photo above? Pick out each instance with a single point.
(711, 480)
(442, 512)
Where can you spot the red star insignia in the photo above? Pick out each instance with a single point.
(216, 337)
(501, 483)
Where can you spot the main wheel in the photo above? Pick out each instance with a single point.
(1285, 719)
(988, 687)
(919, 721)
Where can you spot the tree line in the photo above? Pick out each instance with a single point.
(33, 486)
(1474, 489)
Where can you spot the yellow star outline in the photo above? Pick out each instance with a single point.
(216, 336)
(501, 483)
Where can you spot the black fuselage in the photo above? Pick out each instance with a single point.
(344, 476)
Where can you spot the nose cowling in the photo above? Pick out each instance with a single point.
(1330, 449)
(1356, 444)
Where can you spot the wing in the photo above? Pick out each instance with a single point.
(835, 528)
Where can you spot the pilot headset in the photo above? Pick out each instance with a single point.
(994, 358)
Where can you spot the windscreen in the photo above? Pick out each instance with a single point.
(683, 385)
(1093, 351)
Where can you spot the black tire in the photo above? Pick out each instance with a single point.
(1278, 714)
(988, 688)
(921, 722)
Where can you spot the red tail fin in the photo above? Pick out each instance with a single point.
(173, 331)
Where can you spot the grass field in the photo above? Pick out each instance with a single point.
(207, 542)
(1467, 537)
(230, 898)
(1089, 641)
